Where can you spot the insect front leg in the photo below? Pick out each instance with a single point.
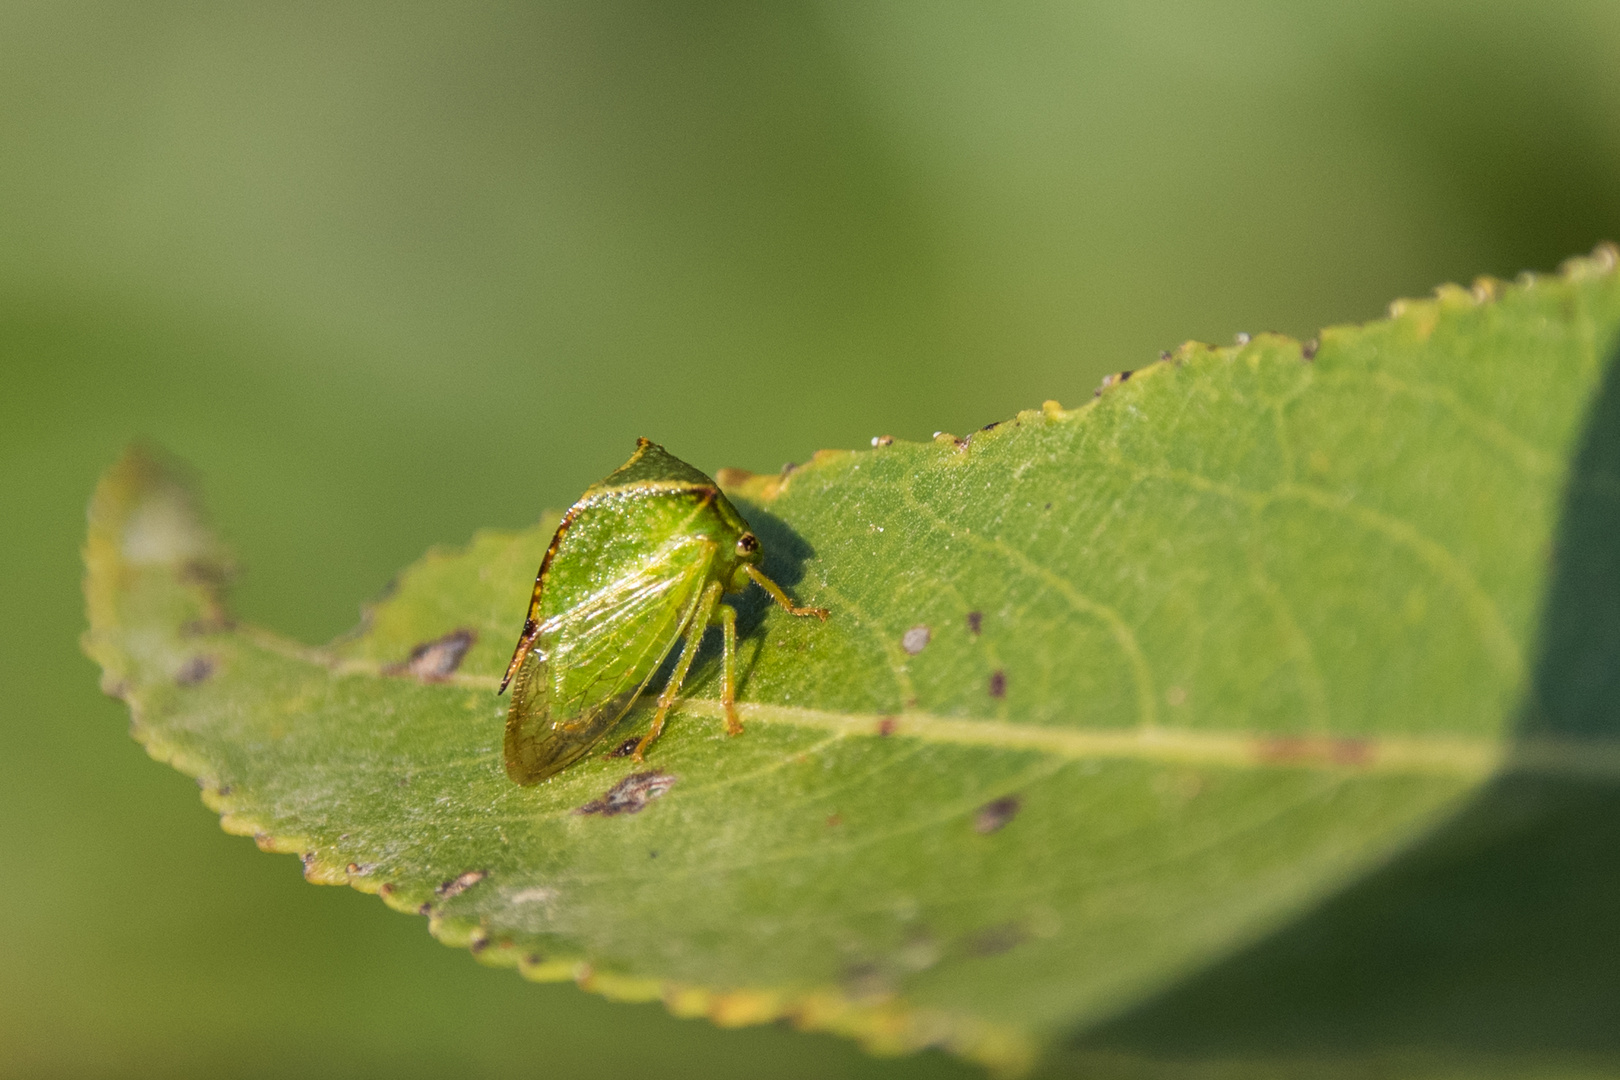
(689, 648)
(781, 597)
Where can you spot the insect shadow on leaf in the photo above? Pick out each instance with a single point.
(786, 552)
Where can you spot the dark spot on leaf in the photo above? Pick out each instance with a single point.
(995, 940)
(225, 789)
(386, 889)
(789, 467)
(1048, 506)
(975, 620)
(425, 909)
(626, 748)
(534, 959)
(361, 869)
(478, 945)
(194, 671)
(458, 885)
(1111, 380)
(996, 814)
(437, 660)
(1164, 354)
(630, 795)
(1308, 350)
(652, 854)
(887, 726)
(998, 684)
(834, 820)
(991, 426)
(915, 639)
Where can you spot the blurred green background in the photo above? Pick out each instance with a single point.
(387, 273)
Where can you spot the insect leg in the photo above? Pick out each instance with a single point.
(728, 685)
(781, 597)
(694, 635)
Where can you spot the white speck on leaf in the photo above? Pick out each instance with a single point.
(537, 895)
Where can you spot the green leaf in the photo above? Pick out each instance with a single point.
(1106, 693)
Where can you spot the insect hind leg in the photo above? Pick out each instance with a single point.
(689, 649)
(728, 685)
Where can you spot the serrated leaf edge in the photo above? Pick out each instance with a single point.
(1420, 315)
(890, 1026)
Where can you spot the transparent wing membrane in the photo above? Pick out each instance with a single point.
(592, 661)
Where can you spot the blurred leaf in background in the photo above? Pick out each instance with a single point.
(390, 274)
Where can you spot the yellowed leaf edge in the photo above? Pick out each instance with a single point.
(884, 1026)
(1417, 316)
(887, 1026)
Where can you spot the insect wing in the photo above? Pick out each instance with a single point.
(592, 661)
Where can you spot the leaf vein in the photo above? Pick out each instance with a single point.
(1124, 637)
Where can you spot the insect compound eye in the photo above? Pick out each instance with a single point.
(747, 544)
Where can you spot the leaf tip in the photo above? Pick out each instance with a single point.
(147, 547)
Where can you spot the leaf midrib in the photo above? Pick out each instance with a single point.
(1427, 755)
